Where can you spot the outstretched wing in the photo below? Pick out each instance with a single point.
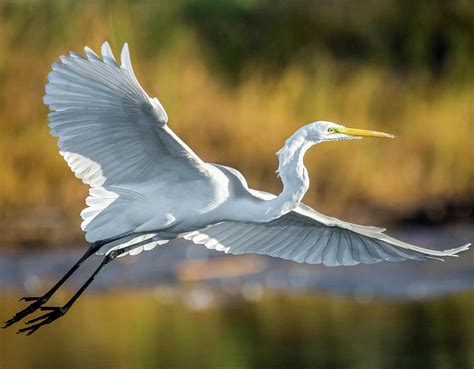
(114, 137)
(307, 236)
(110, 132)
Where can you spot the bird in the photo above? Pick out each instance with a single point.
(148, 187)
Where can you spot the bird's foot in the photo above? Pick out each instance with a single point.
(53, 314)
(30, 309)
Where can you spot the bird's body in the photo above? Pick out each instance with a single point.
(148, 186)
(177, 207)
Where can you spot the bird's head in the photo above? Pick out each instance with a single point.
(328, 131)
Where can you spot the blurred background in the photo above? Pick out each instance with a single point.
(237, 77)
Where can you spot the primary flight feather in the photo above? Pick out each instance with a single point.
(148, 186)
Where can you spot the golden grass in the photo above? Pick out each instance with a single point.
(243, 126)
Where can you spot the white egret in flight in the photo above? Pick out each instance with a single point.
(148, 187)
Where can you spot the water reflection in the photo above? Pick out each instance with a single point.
(154, 329)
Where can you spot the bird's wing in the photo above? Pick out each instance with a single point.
(307, 236)
(110, 132)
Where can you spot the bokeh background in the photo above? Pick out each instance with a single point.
(236, 78)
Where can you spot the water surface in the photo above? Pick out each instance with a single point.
(183, 306)
(160, 329)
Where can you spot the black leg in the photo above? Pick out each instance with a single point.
(105, 241)
(39, 301)
(57, 312)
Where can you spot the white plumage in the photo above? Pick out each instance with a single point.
(150, 186)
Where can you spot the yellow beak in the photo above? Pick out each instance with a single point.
(363, 133)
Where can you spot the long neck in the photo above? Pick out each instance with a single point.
(293, 174)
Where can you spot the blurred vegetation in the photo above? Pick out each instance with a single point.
(278, 331)
(433, 37)
(237, 77)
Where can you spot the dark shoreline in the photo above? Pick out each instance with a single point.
(50, 228)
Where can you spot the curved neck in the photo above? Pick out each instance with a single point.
(293, 174)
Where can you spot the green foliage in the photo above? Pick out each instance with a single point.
(432, 36)
(163, 330)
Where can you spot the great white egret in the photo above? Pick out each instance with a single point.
(149, 187)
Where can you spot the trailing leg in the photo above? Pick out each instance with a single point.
(55, 313)
(39, 301)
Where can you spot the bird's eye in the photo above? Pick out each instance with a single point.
(331, 130)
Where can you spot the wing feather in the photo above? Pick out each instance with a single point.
(317, 248)
(298, 253)
(300, 237)
(102, 115)
(112, 134)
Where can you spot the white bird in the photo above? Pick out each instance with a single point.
(149, 187)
